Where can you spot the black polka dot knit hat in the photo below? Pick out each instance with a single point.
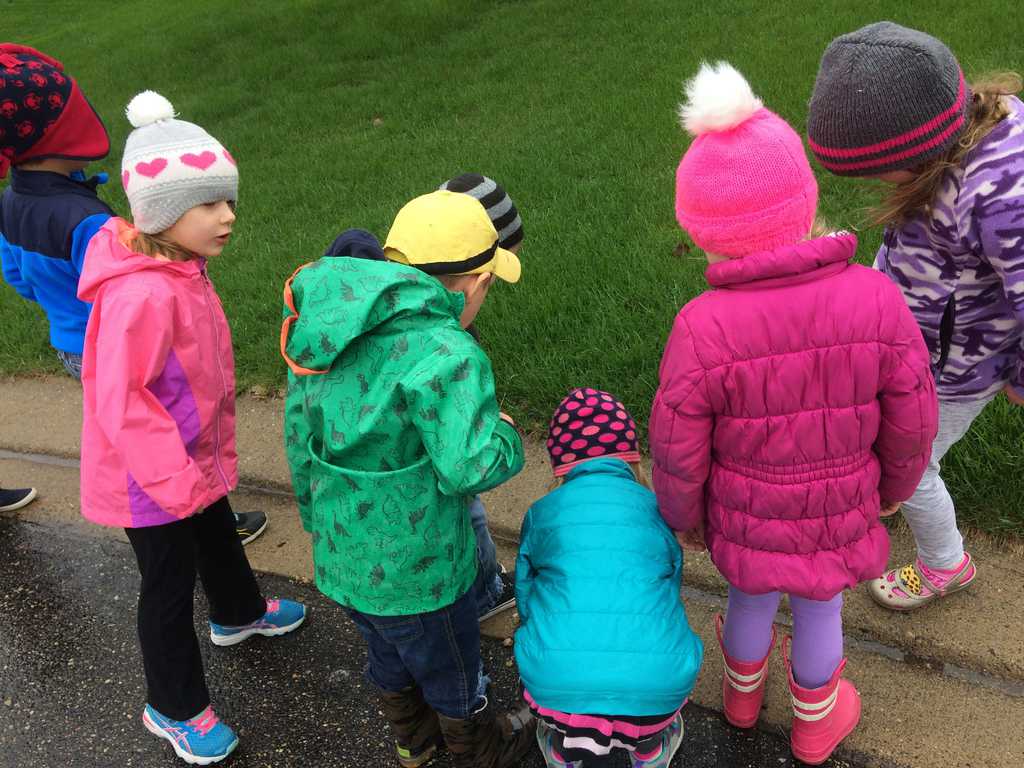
(590, 424)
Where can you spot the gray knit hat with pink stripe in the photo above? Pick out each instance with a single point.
(887, 98)
(590, 424)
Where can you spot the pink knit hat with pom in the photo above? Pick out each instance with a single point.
(745, 184)
(590, 424)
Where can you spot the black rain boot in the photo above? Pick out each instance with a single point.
(414, 724)
(487, 741)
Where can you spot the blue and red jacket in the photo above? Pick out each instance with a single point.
(46, 222)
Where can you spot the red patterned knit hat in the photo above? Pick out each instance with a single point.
(590, 424)
(43, 113)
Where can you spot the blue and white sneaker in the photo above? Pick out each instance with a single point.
(282, 616)
(200, 741)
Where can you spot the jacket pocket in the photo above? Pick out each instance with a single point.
(398, 630)
(390, 541)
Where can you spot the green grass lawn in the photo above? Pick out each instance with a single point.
(338, 113)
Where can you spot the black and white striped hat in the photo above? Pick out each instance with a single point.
(495, 199)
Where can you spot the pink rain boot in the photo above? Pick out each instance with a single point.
(822, 717)
(742, 683)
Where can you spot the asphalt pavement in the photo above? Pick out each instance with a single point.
(72, 691)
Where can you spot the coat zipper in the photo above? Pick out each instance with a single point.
(223, 381)
(947, 327)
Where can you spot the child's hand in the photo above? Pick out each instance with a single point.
(890, 508)
(1012, 396)
(505, 417)
(692, 540)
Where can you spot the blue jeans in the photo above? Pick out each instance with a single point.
(72, 363)
(488, 586)
(439, 651)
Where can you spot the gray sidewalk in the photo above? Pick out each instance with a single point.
(966, 655)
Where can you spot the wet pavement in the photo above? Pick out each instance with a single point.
(71, 686)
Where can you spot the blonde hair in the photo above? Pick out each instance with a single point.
(636, 466)
(988, 108)
(159, 245)
(820, 228)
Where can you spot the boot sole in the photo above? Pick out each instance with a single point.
(421, 759)
(188, 758)
(820, 757)
(743, 724)
(817, 758)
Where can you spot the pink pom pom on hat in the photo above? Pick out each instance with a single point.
(745, 184)
(590, 424)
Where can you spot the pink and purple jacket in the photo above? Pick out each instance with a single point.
(792, 398)
(158, 427)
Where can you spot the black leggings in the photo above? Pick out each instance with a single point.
(169, 557)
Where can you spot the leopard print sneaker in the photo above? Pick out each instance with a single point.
(915, 585)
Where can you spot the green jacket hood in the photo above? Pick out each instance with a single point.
(331, 302)
(391, 426)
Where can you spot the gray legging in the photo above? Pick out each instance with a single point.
(930, 511)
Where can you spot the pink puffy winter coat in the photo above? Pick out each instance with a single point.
(792, 397)
(158, 427)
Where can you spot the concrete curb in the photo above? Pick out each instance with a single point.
(976, 630)
(43, 415)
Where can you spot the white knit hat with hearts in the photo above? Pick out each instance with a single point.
(170, 166)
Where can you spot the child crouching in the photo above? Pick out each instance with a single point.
(597, 584)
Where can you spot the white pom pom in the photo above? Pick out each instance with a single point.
(148, 107)
(717, 99)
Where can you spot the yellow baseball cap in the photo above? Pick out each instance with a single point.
(449, 233)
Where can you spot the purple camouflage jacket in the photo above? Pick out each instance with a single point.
(961, 268)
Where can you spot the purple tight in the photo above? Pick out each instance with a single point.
(817, 633)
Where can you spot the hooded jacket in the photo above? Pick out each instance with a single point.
(158, 382)
(46, 222)
(391, 427)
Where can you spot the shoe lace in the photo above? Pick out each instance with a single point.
(204, 721)
(273, 606)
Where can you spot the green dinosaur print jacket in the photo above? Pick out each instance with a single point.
(391, 426)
